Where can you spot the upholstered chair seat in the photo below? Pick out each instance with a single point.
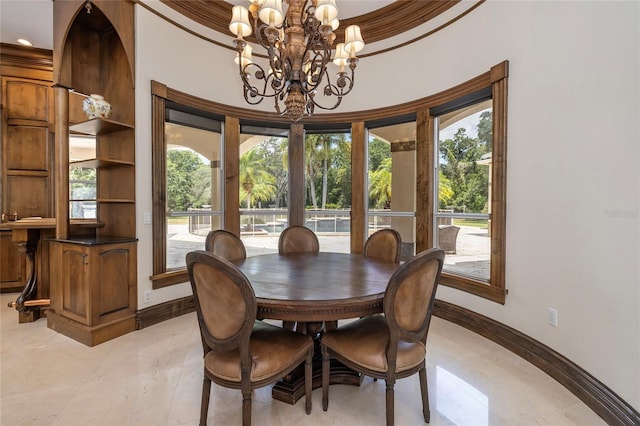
(365, 341)
(272, 352)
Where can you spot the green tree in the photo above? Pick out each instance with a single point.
(322, 151)
(275, 161)
(201, 195)
(469, 181)
(380, 185)
(379, 151)
(445, 192)
(339, 173)
(485, 130)
(181, 165)
(255, 182)
(312, 165)
(82, 183)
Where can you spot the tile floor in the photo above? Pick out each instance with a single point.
(154, 376)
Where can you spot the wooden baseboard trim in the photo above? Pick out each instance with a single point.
(596, 395)
(164, 311)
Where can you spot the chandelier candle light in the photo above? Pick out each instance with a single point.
(299, 48)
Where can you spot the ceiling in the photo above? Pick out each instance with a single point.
(379, 19)
(32, 20)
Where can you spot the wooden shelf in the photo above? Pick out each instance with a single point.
(99, 126)
(101, 163)
(86, 223)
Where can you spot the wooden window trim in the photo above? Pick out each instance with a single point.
(495, 289)
(496, 78)
(160, 94)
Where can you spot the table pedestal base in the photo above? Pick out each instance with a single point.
(291, 388)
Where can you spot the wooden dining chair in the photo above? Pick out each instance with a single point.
(225, 244)
(384, 244)
(298, 239)
(240, 352)
(391, 346)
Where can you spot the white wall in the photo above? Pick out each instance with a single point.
(573, 234)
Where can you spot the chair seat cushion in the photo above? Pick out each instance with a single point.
(273, 350)
(364, 342)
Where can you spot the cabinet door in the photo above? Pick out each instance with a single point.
(111, 294)
(74, 283)
(26, 147)
(12, 264)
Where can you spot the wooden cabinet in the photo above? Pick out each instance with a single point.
(95, 297)
(12, 264)
(94, 274)
(26, 152)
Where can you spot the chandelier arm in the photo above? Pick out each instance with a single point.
(319, 62)
(337, 89)
(312, 102)
(267, 81)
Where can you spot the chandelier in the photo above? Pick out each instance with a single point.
(299, 48)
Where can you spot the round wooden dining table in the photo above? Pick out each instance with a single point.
(312, 289)
(317, 287)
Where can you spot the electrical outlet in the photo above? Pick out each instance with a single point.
(147, 296)
(553, 316)
(147, 218)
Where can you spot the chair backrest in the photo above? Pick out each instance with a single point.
(225, 244)
(410, 294)
(298, 239)
(225, 302)
(385, 245)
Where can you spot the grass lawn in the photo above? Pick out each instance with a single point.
(178, 220)
(479, 223)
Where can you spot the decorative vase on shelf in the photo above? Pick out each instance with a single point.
(96, 107)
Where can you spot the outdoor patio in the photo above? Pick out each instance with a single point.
(471, 258)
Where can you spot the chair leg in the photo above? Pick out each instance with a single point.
(325, 378)
(204, 405)
(288, 325)
(308, 380)
(246, 409)
(389, 401)
(424, 389)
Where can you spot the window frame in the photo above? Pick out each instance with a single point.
(408, 248)
(161, 97)
(494, 80)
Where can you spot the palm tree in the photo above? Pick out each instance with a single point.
(380, 184)
(255, 181)
(323, 147)
(311, 163)
(445, 191)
